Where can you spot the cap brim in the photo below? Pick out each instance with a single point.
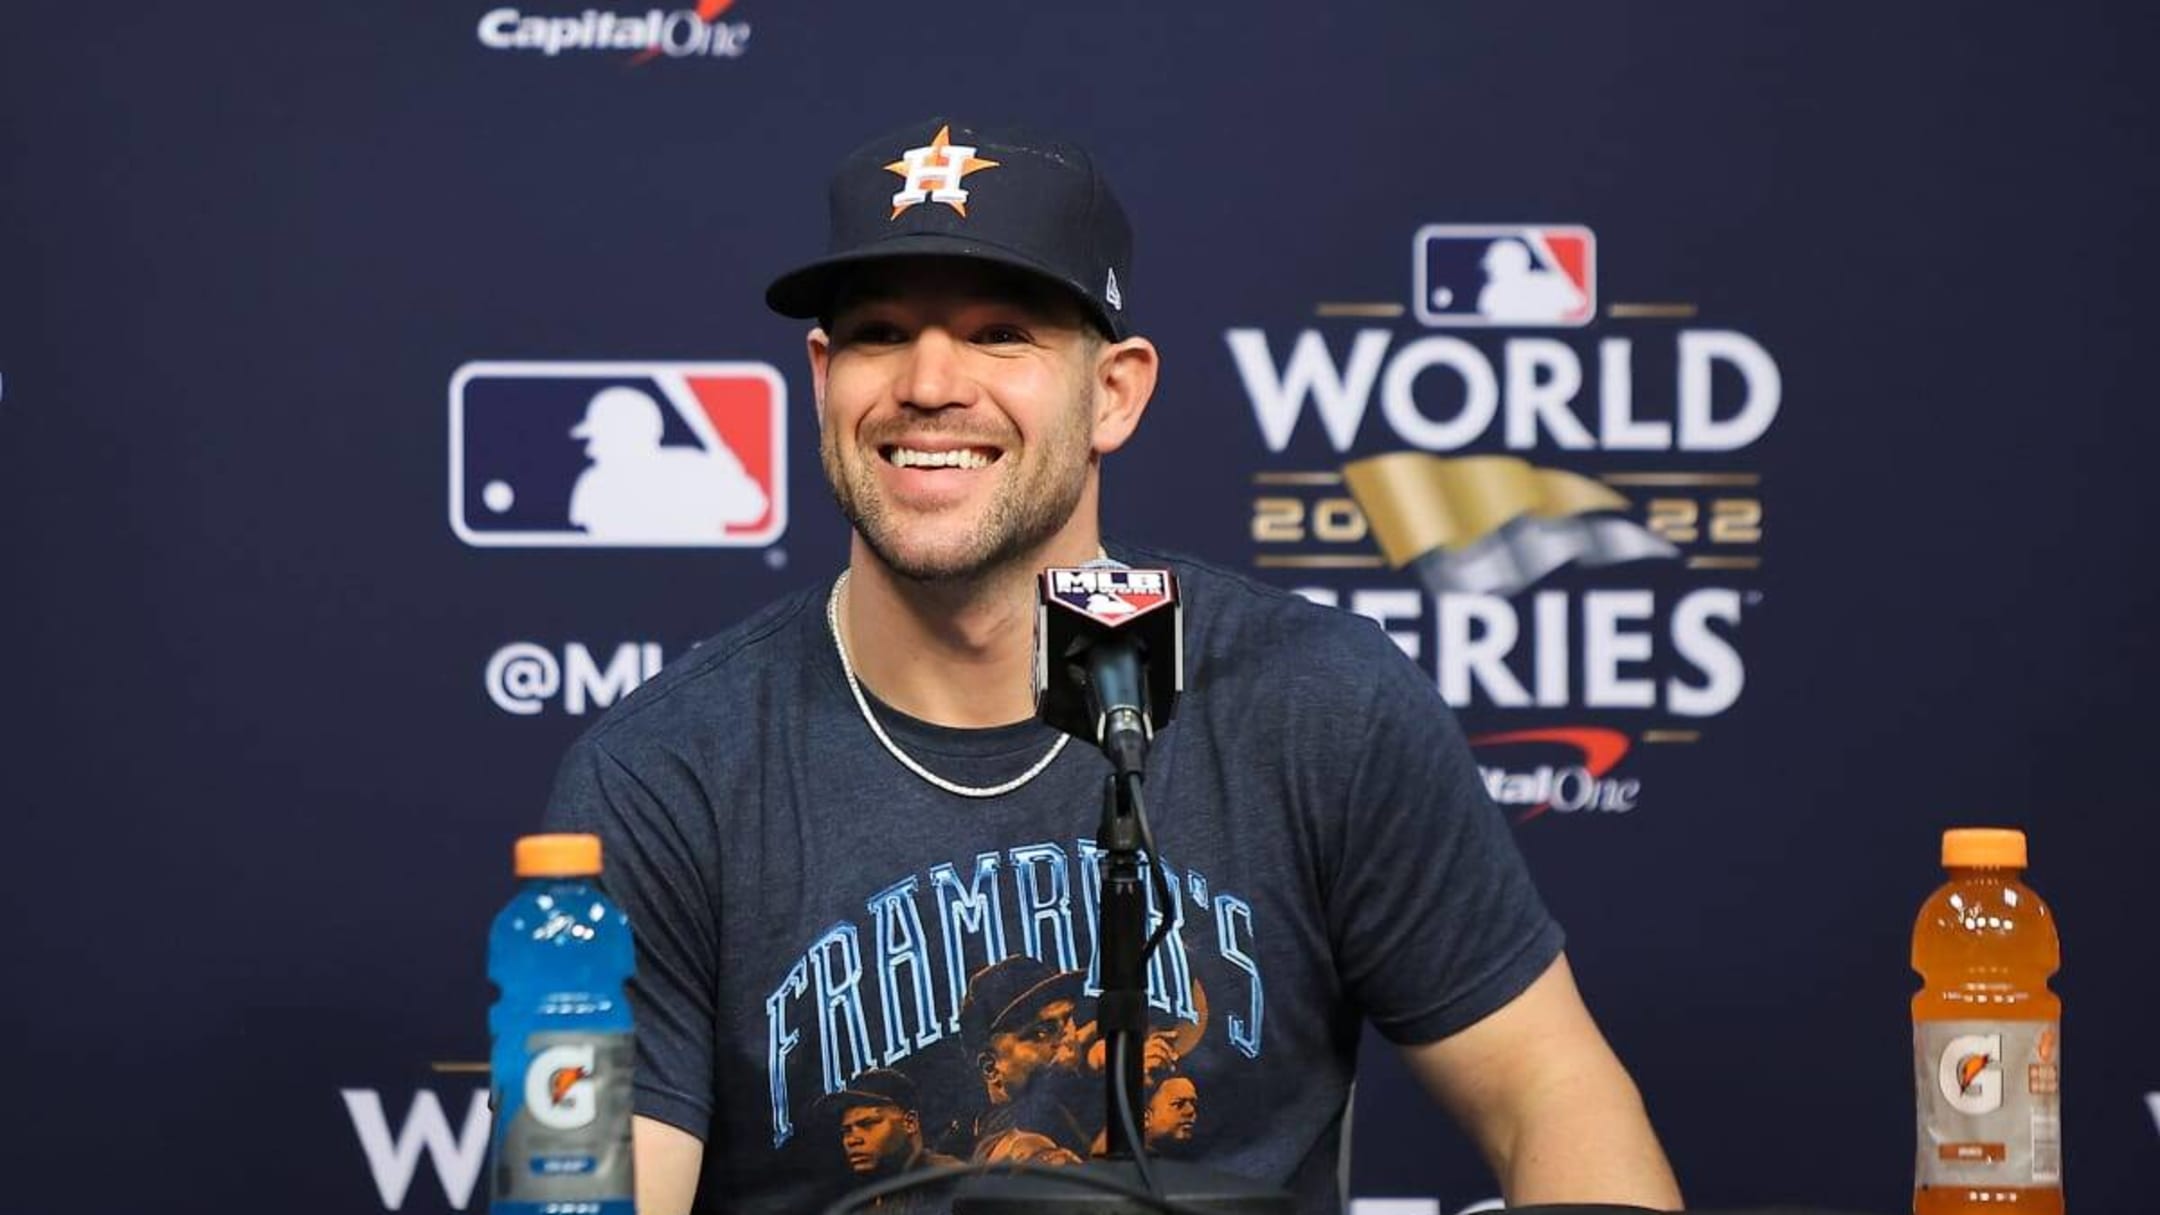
(1064, 985)
(832, 1105)
(806, 293)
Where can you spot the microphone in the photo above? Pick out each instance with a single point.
(1109, 655)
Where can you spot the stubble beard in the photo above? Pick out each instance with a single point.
(1029, 506)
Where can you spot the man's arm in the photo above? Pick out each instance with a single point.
(1550, 1106)
(667, 1159)
(659, 844)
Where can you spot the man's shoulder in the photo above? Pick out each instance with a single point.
(718, 677)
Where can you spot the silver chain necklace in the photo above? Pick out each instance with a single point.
(832, 622)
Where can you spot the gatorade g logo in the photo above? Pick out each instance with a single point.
(1971, 1073)
(559, 1087)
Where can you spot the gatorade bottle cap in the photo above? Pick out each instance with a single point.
(558, 855)
(1983, 848)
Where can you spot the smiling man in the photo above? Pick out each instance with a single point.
(826, 820)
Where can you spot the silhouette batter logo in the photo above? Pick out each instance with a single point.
(618, 455)
(1511, 275)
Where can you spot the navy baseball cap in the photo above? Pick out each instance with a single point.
(877, 1086)
(1009, 993)
(941, 188)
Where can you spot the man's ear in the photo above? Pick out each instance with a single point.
(1124, 383)
(819, 347)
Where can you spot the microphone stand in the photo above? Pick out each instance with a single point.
(1121, 1020)
(1121, 1010)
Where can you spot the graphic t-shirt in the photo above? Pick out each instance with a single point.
(843, 970)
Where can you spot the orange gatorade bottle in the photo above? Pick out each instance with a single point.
(1987, 1042)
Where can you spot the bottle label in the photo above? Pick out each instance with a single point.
(562, 1131)
(1990, 1103)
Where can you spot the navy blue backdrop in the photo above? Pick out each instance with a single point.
(1854, 312)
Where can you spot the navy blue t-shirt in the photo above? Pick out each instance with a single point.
(810, 916)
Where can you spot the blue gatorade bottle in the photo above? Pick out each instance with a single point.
(559, 956)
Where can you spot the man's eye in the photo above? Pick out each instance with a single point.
(1000, 335)
(872, 333)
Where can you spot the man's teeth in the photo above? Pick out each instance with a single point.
(907, 457)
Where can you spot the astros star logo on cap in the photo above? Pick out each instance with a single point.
(932, 173)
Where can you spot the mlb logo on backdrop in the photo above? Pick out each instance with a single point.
(1504, 275)
(618, 455)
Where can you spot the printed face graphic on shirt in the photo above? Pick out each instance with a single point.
(879, 1138)
(978, 980)
(1048, 1042)
(1171, 1113)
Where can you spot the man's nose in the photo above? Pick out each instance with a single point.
(934, 375)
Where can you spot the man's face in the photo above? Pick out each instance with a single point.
(1172, 1111)
(879, 1138)
(1046, 1044)
(957, 414)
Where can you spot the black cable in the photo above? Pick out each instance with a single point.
(1120, 1050)
(1166, 901)
(1165, 897)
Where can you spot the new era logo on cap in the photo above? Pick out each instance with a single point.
(1027, 201)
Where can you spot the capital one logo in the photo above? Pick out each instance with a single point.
(559, 1087)
(1970, 1073)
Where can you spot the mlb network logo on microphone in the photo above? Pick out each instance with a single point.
(618, 455)
(1504, 275)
